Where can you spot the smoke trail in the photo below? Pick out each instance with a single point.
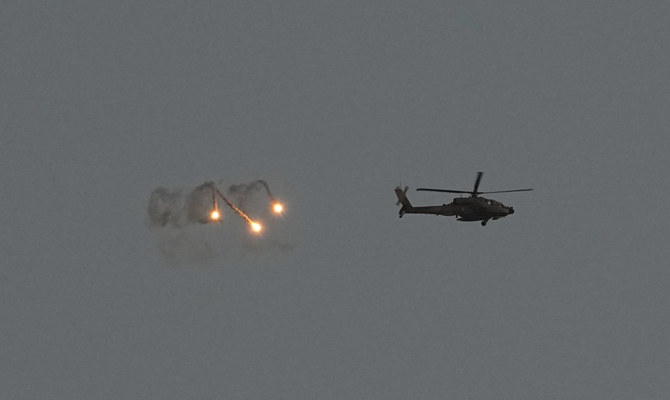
(267, 189)
(254, 225)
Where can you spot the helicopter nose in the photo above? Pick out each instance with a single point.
(511, 210)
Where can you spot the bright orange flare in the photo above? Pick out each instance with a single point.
(278, 208)
(215, 215)
(256, 227)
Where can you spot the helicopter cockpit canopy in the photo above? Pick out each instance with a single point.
(494, 203)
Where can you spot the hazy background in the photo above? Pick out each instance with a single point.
(334, 104)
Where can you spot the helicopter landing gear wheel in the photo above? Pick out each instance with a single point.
(484, 223)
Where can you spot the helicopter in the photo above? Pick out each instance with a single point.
(472, 208)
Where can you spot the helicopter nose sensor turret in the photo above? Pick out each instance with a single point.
(511, 210)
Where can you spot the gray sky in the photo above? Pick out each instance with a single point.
(334, 104)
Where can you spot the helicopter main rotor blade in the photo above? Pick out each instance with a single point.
(479, 179)
(442, 190)
(507, 191)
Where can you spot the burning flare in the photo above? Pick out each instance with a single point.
(256, 227)
(278, 208)
(215, 215)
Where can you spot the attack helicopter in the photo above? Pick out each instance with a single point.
(472, 208)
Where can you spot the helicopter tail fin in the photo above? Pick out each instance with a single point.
(402, 199)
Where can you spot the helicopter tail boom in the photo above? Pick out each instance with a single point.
(402, 199)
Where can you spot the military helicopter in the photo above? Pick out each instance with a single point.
(472, 208)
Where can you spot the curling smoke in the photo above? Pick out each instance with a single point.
(174, 208)
(164, 207)
(244, 193)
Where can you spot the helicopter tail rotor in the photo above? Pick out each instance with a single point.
(404, 192)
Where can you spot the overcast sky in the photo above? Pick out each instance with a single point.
(334, 104)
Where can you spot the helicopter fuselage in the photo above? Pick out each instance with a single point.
(472, 208)
(465, 209)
